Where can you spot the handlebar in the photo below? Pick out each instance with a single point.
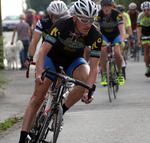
(28, 69)
(69, 79)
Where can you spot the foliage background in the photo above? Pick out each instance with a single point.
(125, 3)
(42, 4)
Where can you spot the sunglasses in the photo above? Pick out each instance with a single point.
(85, 21)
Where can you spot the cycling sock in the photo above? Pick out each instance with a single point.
(23, 136)
(119, 72)
(104, 74)
(65, 108)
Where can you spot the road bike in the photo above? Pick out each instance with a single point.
(44, 109)
(112, 76)
(48, 121)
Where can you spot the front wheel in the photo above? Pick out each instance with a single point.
(51, 128)
(36, 129)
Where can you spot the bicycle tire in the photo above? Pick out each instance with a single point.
(109, 80)
(134, 54)
(115, 81)
(58, 113)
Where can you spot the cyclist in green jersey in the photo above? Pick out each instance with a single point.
(143, 29)
(55, 10)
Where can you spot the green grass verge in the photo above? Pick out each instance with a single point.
(3, 81)
(8, 123)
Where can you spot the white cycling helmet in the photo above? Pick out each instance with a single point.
(57, 8)
(132, 5)
(145, 5)
(41, 13)
(71, 10)
(98, 7)
(85, 8)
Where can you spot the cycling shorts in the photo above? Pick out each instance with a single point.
(115, 40)
(69, 70)
(145, 42)
(145, 32)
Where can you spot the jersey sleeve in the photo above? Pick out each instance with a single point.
(39, 27)
(97, 40)
(55, 32)
(127, 20)
(140, 19)
(97, 19)
(119, 18)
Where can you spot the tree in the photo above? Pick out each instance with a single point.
(125, 3)
(38, 5)
(1, 43)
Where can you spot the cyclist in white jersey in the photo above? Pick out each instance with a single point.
(55, 10)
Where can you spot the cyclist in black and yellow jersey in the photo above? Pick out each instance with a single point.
(64, 46)
(143, 29)
(55, 10)
(112, 27)
(128, 28)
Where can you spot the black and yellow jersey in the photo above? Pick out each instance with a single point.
(109, 26)
(43, 26)
(67, 46)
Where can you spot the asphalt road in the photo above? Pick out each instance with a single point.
(125, 120)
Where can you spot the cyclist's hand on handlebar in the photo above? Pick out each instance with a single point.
(28, 60)
(38, 80)
(86, 100)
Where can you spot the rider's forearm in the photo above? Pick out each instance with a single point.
(122, 31)
(130, 30)
(93, 71)
(34, 42)
(40, 63)
(32, 48)
(139, 29)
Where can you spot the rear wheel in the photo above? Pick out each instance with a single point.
(109, 81)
